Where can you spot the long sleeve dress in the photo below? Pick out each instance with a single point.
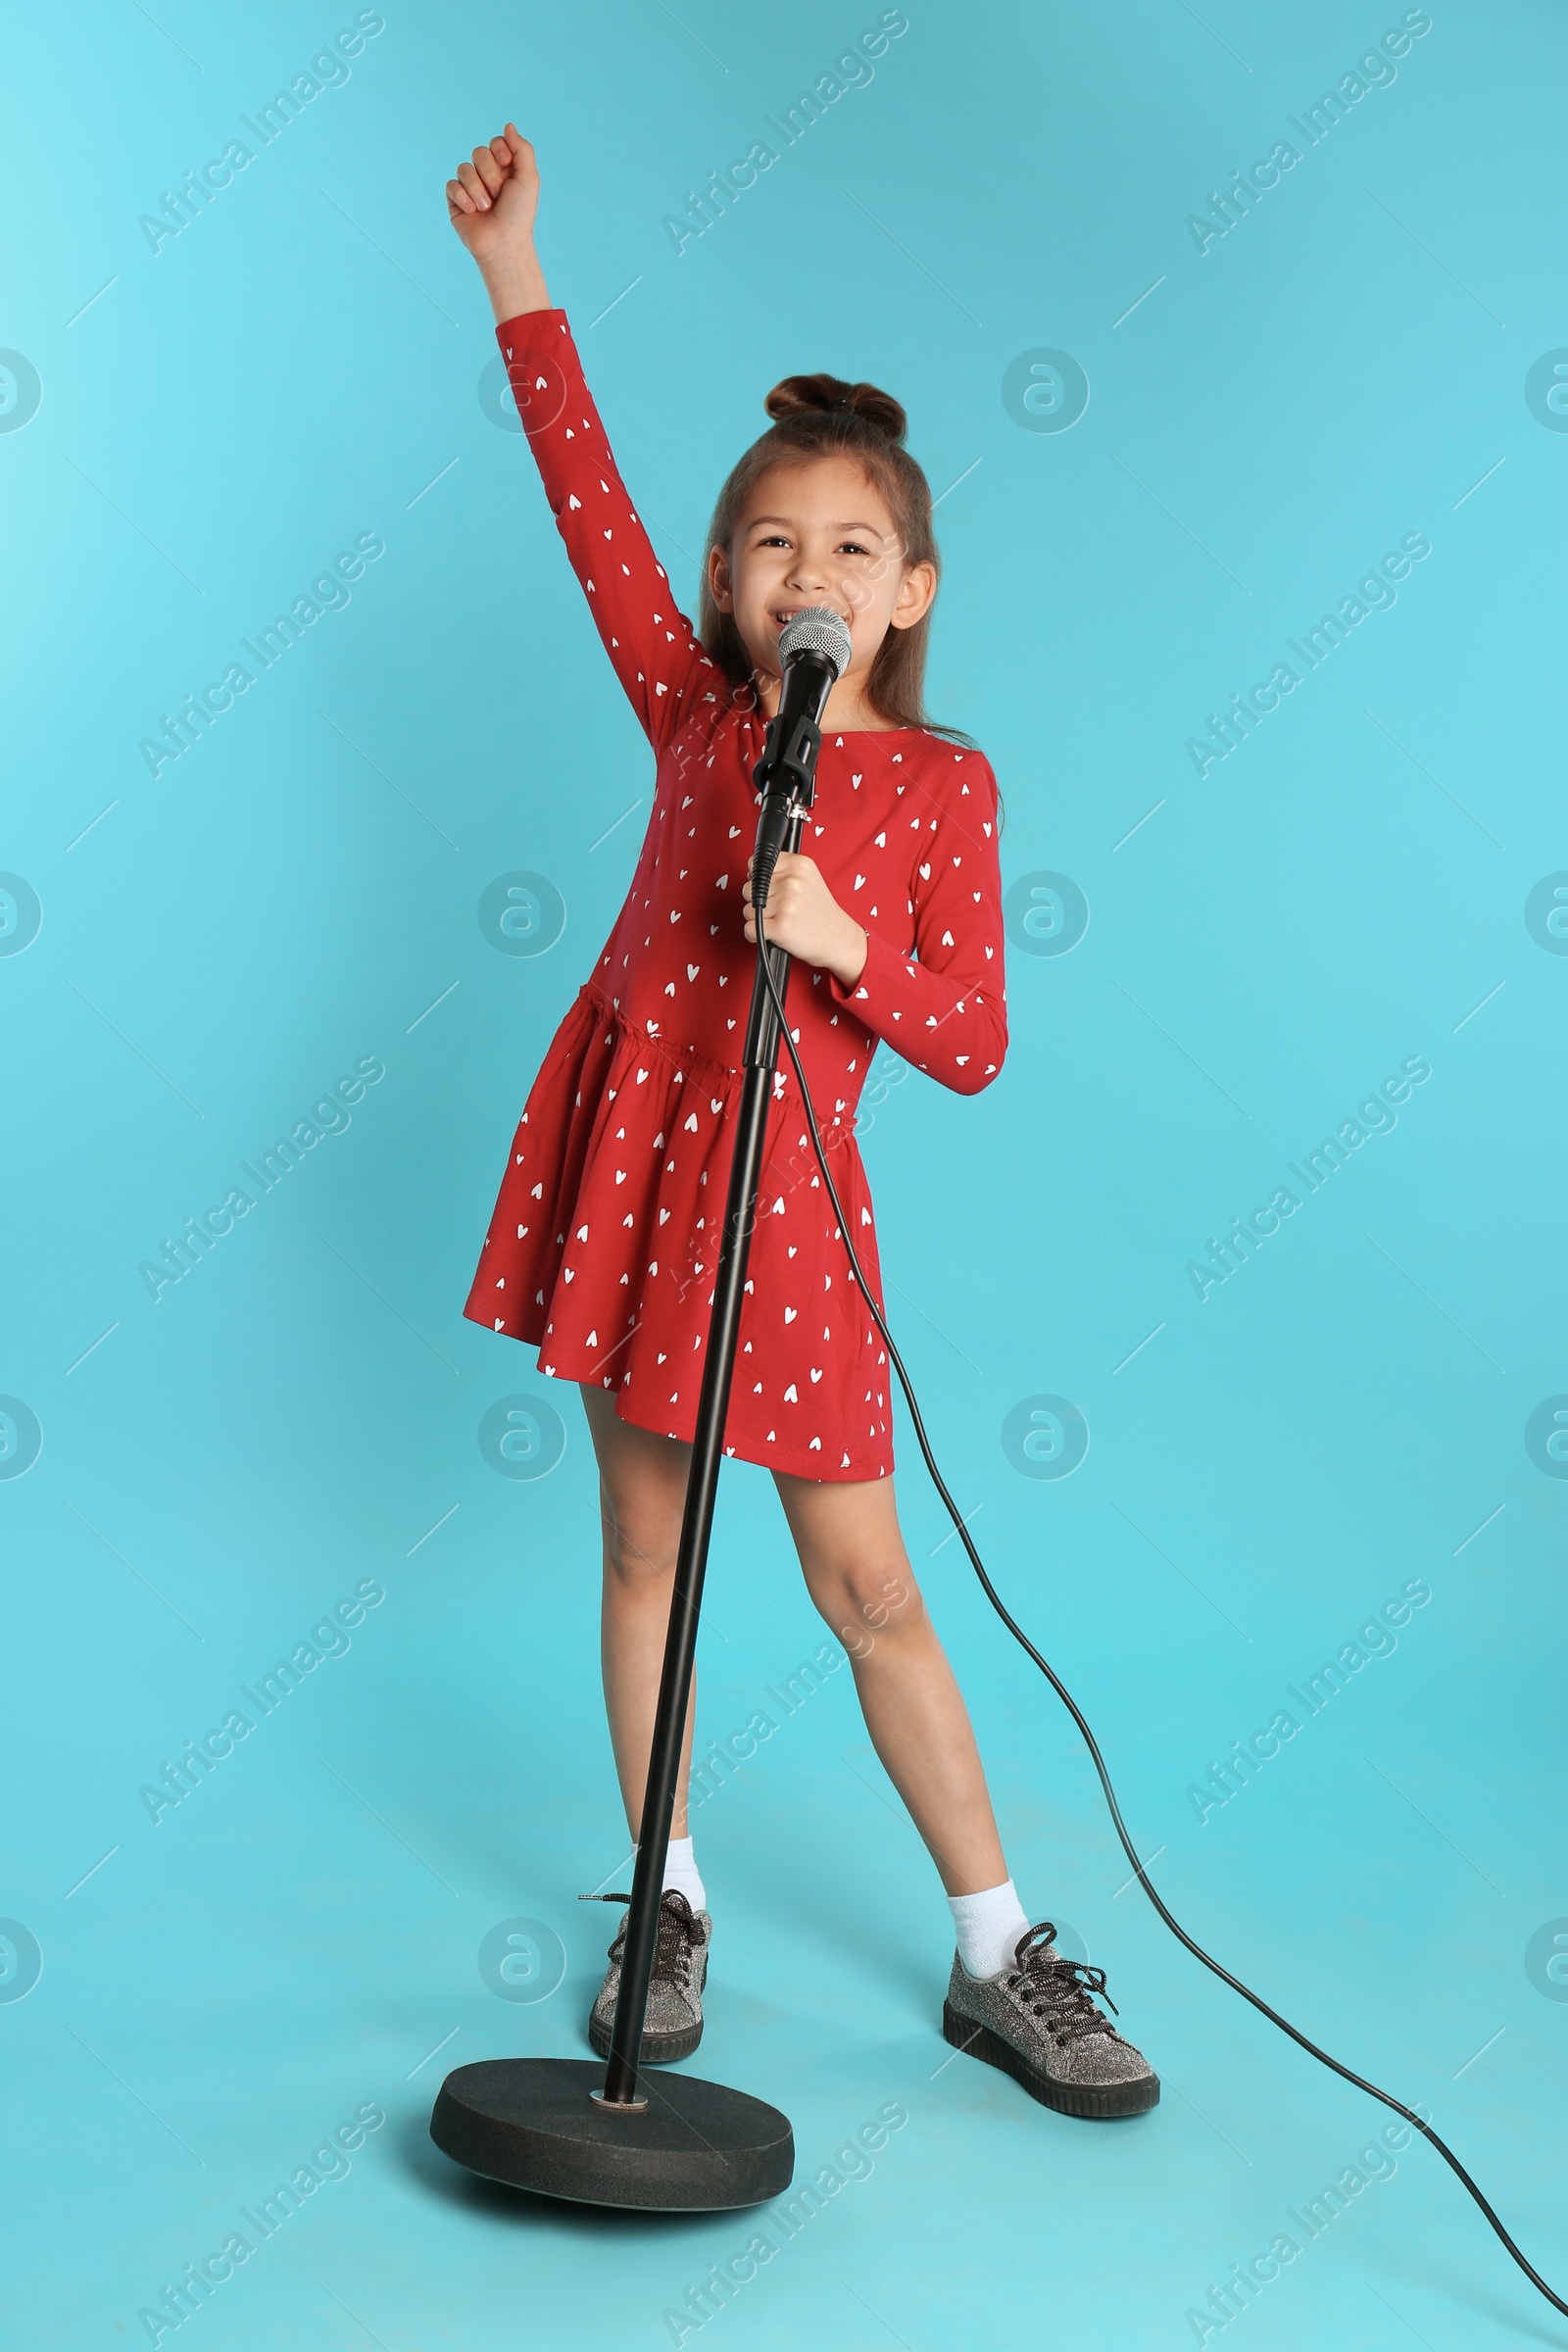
(601, 1248)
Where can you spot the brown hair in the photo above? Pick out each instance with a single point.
(821, 416)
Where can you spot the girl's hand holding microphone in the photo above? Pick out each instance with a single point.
(802, 917)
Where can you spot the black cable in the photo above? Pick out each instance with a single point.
(1075, 1711)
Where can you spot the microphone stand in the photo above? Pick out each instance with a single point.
(671, 2143)
(787, 776)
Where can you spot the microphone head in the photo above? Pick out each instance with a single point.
(817, 629)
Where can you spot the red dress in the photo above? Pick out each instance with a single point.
(601, 1246)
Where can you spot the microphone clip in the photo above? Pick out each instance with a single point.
(787, 767)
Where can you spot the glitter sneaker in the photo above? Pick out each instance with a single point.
(1037, 2022)
(673, 2026)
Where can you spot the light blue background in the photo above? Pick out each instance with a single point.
(300, 366)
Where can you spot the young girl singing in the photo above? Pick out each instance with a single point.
(607, 1217)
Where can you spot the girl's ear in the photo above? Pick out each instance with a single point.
(915, 597)
(718, 579)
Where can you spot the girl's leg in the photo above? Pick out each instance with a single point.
(859, 1574)
(642, 1494)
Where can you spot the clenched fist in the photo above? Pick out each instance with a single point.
(493, 197)
(804, 916)
(491, 203)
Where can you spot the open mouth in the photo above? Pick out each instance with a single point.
(785, 612)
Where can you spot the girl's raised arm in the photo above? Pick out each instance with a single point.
(492, 203)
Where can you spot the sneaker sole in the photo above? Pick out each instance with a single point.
(1097, 2100)
(658, 2050)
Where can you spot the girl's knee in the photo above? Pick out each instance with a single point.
(641, 1548)
(862, 1599)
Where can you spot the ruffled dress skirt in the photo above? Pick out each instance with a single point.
(601, 1250)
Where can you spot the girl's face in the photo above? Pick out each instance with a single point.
(817, 533)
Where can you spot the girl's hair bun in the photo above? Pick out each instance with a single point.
(825, 395)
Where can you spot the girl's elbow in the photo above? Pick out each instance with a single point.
(973, 1072)
(988, 1056)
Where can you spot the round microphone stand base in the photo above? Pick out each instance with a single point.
(687, 2146)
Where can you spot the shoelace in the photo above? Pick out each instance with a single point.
(678, 1936)
(1044, 1982)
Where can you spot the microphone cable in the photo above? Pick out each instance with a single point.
(1347, 2074)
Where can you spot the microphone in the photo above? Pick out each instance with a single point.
(813, 647)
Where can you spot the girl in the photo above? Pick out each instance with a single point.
(608, 1211)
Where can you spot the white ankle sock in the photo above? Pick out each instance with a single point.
(681, 1871)
(988, 1926)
